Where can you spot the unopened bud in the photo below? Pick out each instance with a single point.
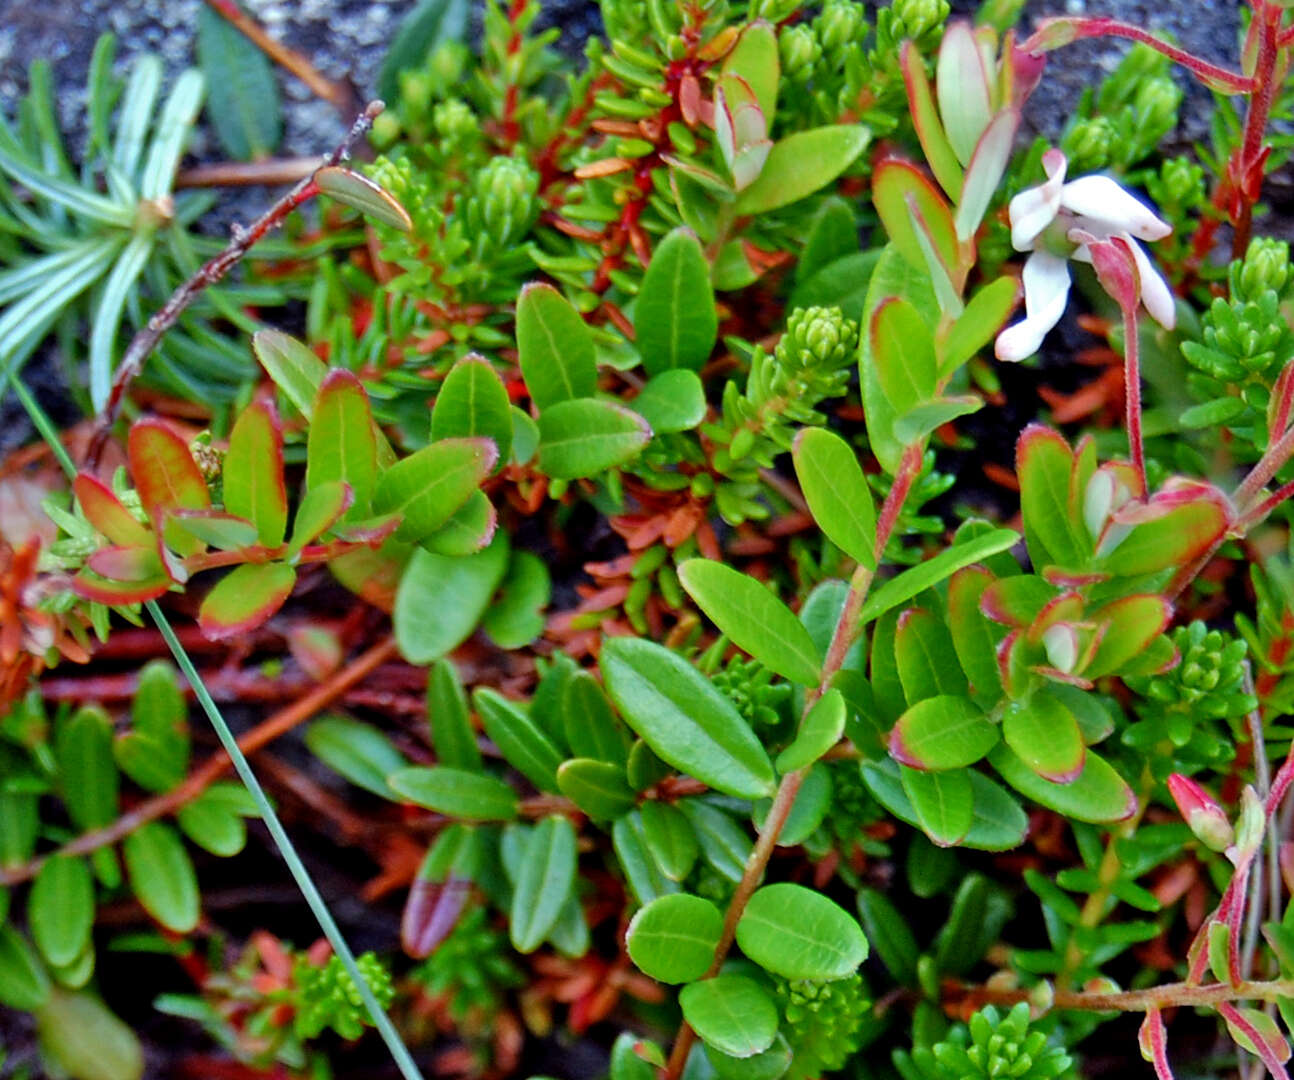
(919, 17)
(1061, 643)
(1266, 266)
(800, 52)
(1088, 145)
(817, 337)
(1207, 820)
(840, 25)
(1181, 183)
(1156, 103)
(1249, 827)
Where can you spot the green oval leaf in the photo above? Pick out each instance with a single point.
(675, 322)
(342, 443)
(162, 876)
(731, 1013)
(1046, 737)
(684, 719)
(24, 983)
(598, 788)
(838, 496)
(555, 348)
(545, 880)
(587, 436)
(252, 472)
(60, 908)
(801, 163)
(242, 96)
(245, 598)
(428, 486)
(441, 598)
(296, 370)
(360, 193)
(472, 402)
(670, 839)
(214, 820)
(671, 401)
(87, 773)
(87, 1041)
(753, 619)
(673, 939)
(800, 934)
(1099, 795)
(359, 752)
(452, 735)
(820, 730)
(942, 732)
(472, 796)
(522, 744)
(942, 801)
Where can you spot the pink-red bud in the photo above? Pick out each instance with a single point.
(1208, 821)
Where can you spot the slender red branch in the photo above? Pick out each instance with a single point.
(1132, 392)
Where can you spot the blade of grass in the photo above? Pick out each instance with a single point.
(318, 906)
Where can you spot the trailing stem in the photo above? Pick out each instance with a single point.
(846, 633)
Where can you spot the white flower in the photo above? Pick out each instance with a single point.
(1056, 221)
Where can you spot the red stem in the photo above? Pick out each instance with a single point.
(1132, 392)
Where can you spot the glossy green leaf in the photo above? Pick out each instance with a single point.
(84, 1039)
(470, 528)
(898, 590)
(441, 599)
(974, 636)
(926, 418)
(245, 598)
(87, 772)
(832, 235)
(358, 751)
(889, 934)
(798, 933)
(320, 509)
(60, 908)
(428, 486)
(634, 1058)
(587, 436)
(357, 191)
(214, 820)
(943, 732)
(942, 801)
(641, 871)
(342, 443)
(674, 318)
(755, 59)
(472, 403)
(556, 350)
(897, 187)
(986, 313)
(838, 496)
(929, 127)
(162, 876)
(731, 1013)
(252, 472)
(591, 727)
(107, 514)
(1046, 737)
(801, 163)
(683, 718)
(166, 477)
(1044, 463)
(904, 354)
(516, 617)
(155, 752)
(820, 730)
(672, 401)
(472, 796)
(725, 845)
(24, 983)
(242, 96)
(673, 939)
(598, 788)
(296, 370)
(1099, 795)
(1176, 539)
(452, 735)
(755, 620)
(670, 839)
(925, 657)
(545, 881)
(809, 811)
(226, 532)
(522, 744)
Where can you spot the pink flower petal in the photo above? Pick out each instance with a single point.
(1035, 208)
(1109, 209)
(1046, 291)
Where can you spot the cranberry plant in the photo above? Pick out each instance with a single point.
(623, 524)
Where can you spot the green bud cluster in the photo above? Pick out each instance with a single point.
(840, 28)
(471, 968)
(1127, 118)
(502, 205)
(993, 1046)
(800, 51)
(749, 685)
(328, 996)
(824, 1021)
(421, 89)
(812, 362)
(1178, 188)
(1246, 337)
(1089, 143)
(1209, 680)
(921, 21)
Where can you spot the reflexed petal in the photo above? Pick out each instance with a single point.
(1035, 208)
(1109, 209)
(1046, 291)
(1155, 293)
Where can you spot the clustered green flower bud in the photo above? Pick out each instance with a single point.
(824, 1020)
(749, 685)
(993, 1046)
(1088, 144)
(502, 204)
(801, 50)
(841, 25)
(918, 17)
(1210, 677)
(1265, 267)
(328, 996)
(454, 121)
(817, 337)
(1179, 186)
